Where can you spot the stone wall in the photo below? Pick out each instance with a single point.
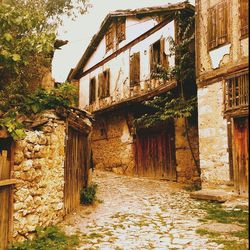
(112, 144)
(39, 169)
(186, 168)
(213, 139)
(113, 150)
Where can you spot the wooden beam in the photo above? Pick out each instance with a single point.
(140, 98)
(127, 46)
(7, 182)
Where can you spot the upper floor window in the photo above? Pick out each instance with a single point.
(109, 38)
(104, 84)
(243, 8)
(120, 30)
(236, 93)
(218, 22)
(92, 90)
(158, 56)
(134, 69)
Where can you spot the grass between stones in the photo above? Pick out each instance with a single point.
(48, 238)
(216, 213)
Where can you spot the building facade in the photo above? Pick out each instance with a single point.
(115, 77)
(223, 92)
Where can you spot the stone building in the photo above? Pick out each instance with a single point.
(115, 77)
(41, 175)
(223, 92)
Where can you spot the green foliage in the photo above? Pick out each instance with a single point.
(88, 194)
(238, 215)
(164, 108)
(168, 106)
(48, 238)
(13, 126)
(16, 106)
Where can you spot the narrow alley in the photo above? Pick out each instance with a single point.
(138, 213)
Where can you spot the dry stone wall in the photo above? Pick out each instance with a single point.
(39, 169)
(214, 158)
(112, 145)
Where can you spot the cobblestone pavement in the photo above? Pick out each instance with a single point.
(137, 214)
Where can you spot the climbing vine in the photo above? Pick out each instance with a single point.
(173, 104)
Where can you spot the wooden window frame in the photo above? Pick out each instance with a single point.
(109, 38)
(162, 57)
(104, 84)
(134, 69)
(236, 92)
(120, 30)
(92, 90)
(218, 25)
(243, 15)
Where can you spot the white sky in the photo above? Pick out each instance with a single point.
(80, 31)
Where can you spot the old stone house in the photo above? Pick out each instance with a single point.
(223, 91)
(41, 175)
(115, 77)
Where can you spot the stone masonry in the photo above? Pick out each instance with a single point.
(39, 170)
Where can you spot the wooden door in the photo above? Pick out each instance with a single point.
(76, 165)
(6, 198)
(155, 153)
(240, 155)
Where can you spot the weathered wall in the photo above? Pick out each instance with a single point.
(113, 149)
(119, 69)
(213, 140)
(39, 169)
(185, 164)
(230, 54)
(112, 145)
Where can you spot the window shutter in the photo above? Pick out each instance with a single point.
(100, 85)
(163, 56)
(222, 23)
(107, 83)
(212, 28)
(92, 91)
(137, 68)
(243, 17)
(151, 62)
(131, 70)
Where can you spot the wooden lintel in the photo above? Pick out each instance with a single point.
(138, 99)
(7, 182)
(218, 74)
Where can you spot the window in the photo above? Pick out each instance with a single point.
(236, 92)
(158, 56)
(109, 38)
(218, 25)
(243, 18)
(92, 90)
(104, 82)
(135, 69)
(120, 30)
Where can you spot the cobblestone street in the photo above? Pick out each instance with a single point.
(138, 213)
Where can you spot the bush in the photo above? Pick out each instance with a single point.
(88, 194)
(50, 238)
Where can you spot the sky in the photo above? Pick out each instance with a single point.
(80, 31)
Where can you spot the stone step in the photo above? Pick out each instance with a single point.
(211, 195)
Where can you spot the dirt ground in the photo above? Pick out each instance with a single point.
(138, 213)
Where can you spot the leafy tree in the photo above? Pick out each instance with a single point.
(27, 38)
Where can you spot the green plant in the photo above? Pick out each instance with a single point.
(88, 194)
(48, 238)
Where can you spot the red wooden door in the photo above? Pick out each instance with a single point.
(155, 153)
(240, 155)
